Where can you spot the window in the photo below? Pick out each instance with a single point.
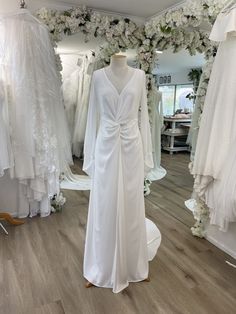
(174, 97)
(168, 99)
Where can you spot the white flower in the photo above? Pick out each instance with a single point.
(43, 13)
(51, 27)
(53, 210)
(146, 42)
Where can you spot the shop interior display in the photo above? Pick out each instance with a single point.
(110, 94)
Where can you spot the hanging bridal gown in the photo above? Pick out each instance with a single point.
(5, 145)
(155, 99)
(70, 96)
(40, 136)
(221, 192)
(217, 131)
(72, 86)
(82, 107)
(117, 154)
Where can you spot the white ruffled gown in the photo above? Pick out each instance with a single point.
(214, 164)
(39, 131)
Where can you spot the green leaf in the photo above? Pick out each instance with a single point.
(165, 29)
(67, 13)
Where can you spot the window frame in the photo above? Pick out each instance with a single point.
(175, 90)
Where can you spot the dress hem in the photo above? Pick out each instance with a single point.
(111, 287)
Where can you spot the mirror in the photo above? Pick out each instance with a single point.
(77, 58)
(173, 79)
(178, 76)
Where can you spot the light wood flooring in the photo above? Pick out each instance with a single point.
(41, 261)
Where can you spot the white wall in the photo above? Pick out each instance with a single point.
(177, 77)
(32, 5)
(226, 241)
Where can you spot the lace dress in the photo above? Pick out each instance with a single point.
(39, 132)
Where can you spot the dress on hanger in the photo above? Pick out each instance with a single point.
(72, 86)
(221, 193)
(213, 166)
(155, 101)
(70, 95)
(82, 104)
(5, 145)
(218, 128)
(117, 155)
(39, 132)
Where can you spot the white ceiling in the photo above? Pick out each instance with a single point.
(169, 62)
(139, 8)
(75, 43)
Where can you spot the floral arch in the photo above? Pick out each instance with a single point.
(177, 29)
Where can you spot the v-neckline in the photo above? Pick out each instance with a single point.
(112, 85)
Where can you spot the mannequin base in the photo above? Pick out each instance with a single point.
(88, 284)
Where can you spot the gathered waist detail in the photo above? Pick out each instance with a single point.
(125, 128)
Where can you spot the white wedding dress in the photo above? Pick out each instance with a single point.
(214, 163)
(70, 89)
(39, 132)
(155, 100)
(86, 71)
(6, 161)
(117, 155)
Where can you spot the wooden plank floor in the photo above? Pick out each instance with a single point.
(41, 261)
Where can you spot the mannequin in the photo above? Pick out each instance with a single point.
(118, 72)
(120, 126)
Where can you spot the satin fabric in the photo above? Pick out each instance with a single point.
(118, 153)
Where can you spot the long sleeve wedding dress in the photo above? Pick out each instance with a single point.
(117, 156)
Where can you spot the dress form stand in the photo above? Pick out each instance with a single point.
(119, 73)
(10, 219)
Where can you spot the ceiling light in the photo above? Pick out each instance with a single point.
(159, 51)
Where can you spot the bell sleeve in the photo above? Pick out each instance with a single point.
(91, 131)
(145, 130)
